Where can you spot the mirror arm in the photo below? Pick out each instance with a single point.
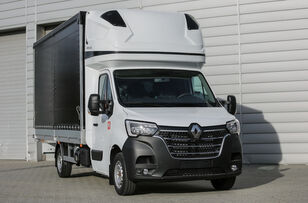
(105, 106)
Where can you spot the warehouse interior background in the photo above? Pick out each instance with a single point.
(256, 50)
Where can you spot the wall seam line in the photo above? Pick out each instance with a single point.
(239, 62)
(27, 130)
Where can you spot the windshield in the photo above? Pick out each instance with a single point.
(163, 88)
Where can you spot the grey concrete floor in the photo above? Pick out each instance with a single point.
(22, 181)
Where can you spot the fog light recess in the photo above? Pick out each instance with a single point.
(145, 171)
(234, 167)
(138, 171)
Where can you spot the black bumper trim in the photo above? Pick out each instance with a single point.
(185, 178)
(151, 146)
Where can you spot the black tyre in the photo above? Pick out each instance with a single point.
(224, 183)
(122, 184)
(64, 168)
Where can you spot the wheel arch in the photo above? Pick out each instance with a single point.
(114, 150)
(56, 150)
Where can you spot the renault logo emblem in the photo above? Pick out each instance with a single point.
(195, 131)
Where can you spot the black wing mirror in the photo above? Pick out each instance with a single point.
(231, 104)
(94, 105)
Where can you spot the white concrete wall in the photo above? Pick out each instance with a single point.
(256, 50)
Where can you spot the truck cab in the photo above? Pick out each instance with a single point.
(149, 113)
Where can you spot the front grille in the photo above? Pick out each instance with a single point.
(181, 144)
(195, 172)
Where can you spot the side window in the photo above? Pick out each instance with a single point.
(197, 86)
(104, 88)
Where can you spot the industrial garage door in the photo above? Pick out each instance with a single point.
(13, 96)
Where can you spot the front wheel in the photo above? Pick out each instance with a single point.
(122, 184)
(224, 183)
(64, 168)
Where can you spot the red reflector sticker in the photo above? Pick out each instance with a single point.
(109, 125)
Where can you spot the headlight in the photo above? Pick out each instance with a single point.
(136, 128)
(234, 126)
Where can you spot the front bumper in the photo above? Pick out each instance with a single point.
(151, 153)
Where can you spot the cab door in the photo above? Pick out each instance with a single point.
(101, 130)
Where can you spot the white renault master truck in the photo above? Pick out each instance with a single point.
(122, 91)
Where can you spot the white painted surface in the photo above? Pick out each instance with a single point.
(144, 31)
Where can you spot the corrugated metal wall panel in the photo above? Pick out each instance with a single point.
(13, 96)
(275, 107)
(12, 14)
(276, 117)
(274, 61)
(275, 66)
(274, 138)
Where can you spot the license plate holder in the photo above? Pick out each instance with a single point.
(197, 164)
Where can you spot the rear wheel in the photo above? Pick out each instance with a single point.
(224, 183)
(122, 184)
(64, 168)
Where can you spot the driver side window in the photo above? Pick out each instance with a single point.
(104, 88)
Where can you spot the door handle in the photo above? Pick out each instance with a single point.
(95, 124)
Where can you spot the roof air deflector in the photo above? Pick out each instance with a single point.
(114, 18)
(191, 22)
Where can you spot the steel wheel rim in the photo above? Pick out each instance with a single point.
(59, 162)
(118, 174)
